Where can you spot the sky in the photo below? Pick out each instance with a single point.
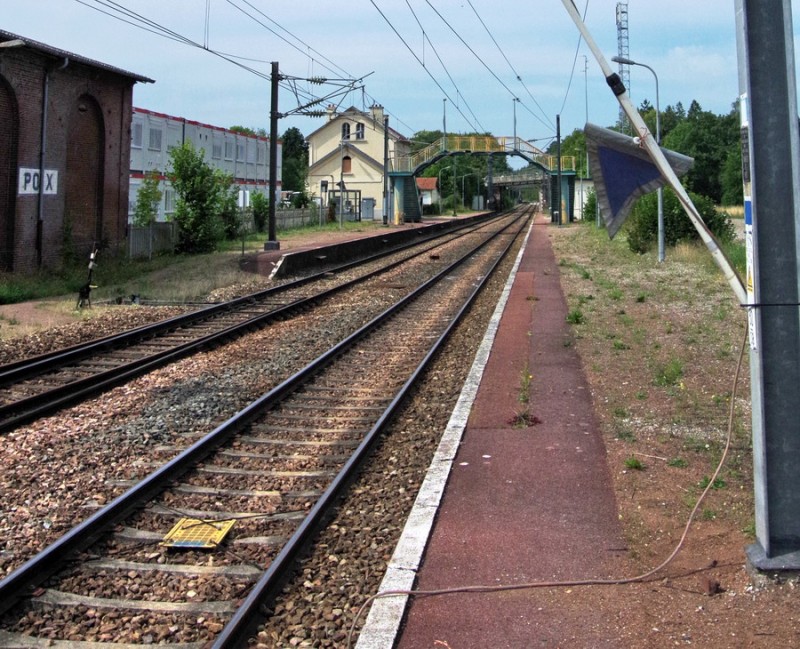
(428, 62)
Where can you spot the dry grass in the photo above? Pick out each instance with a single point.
(659, 344)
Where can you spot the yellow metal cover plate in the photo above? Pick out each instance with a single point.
(195, 533)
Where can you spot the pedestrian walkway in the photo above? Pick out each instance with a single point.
(528, 497)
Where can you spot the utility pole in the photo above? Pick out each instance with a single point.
(272, 241)
(770, 141)
(558, 155)
(386, 170)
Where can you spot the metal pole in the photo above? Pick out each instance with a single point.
(444, 123)
(515, 124)
(660, 192)
(272, 241)
(771, 93)
(558, 152)
(341, 183)
(386, 170)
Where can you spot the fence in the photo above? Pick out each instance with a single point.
(146, 241)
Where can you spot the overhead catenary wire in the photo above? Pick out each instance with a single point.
(574, 62)
(122, 13)
(425, 37)
(414, 54)
(547, 121)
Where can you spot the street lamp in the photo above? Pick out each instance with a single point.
(624, 61)
(516, 99)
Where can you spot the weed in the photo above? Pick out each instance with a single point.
(641, 298)
(616, 293)
(719, 483)
(620, 346)
(620, 412)
(641, 395)
(525, 379)
(678, 463)
(625, 435)
(576, 317)
(634, 464)
(670, 373)
(708, 515)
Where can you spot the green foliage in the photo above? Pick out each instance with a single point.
(708, 139)
(576, 317)
(260, 206)
(294, 165)
(670, 373)
(147, 200)
(228, 204)
(574, 145)
(199, 195)
(634, 464)
(641, 227)
(590, 207)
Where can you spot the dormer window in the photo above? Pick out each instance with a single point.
(345, 131)
(359, 131)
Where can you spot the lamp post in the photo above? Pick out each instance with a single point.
(624, 61)
(516, 99)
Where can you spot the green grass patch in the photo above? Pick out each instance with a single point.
(669, 373)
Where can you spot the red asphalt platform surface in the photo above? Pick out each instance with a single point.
(522, 504)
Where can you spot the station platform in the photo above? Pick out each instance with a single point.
(509, 500)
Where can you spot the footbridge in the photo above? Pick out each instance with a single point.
(403, 169)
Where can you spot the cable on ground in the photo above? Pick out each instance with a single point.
(583, 582)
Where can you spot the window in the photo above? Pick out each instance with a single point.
(229, 149)
(359, 131)
(240, 151)
(345, 131)
(347, 165)
(155, 139)
(136, 135)
(216, 149)
(169, 200)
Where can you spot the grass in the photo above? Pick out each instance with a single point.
(164, 277)
(659, 347)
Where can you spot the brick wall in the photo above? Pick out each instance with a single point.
(87, 142)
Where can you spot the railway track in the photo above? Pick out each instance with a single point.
(274, 470)
(38, 386)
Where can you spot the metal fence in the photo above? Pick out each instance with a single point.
(146, 241)
(149, 240)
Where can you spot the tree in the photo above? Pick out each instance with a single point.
(574, 146)
(295, 160)
(708, 139)
(197, 210)
(260, 204)
(147, 199)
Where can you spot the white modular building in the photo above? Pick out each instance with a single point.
(154, 135)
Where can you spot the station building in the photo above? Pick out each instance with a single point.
(65, 145)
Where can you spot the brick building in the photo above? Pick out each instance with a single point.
(65, 143)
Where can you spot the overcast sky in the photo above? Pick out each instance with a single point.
(483, 45)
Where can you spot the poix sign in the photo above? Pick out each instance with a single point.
(30, 180)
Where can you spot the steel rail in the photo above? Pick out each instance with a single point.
(244, 623)
(21, 582)
(28, 367)
(22, 411)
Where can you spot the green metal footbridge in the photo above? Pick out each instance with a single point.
(543, 170)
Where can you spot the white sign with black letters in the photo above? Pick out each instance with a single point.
(30, 180)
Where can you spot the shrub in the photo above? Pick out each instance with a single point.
(642, 225)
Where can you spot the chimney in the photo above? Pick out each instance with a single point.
(377, 113)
